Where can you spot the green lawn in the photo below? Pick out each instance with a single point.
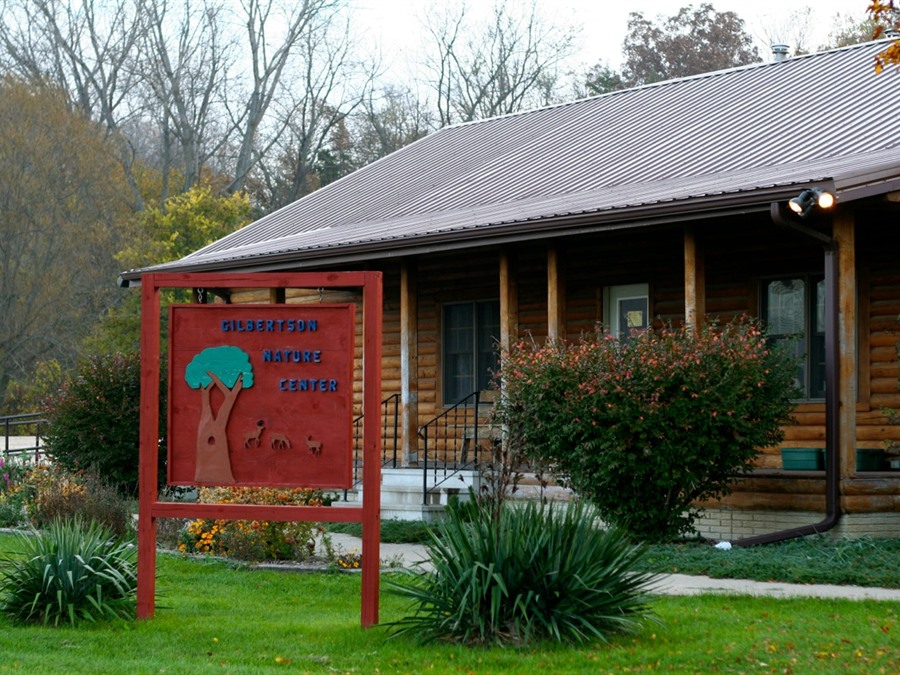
(213, 617)
(807, 560)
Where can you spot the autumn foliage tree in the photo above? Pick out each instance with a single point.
(185, 223)
(62, 216)
(886, 16)
(693, 41)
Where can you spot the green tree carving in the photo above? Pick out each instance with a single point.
(229, 369)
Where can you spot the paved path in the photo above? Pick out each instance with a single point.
(407, 555)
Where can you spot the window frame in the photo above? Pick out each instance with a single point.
(613, 295)
(479, 372)
(811, 336)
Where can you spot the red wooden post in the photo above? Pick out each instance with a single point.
(371, 573)
(149, 447)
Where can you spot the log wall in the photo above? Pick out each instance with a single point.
(737, 254)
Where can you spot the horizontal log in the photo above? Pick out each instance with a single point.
(883, 385)
(883, 338)
(885, 370)
(883, 484)
(809, 419)
(809, 407)
(882, 354)
(871, 417)
(871, 504)
(805, 433)
(879, 401)
(775, 502)
(781, 486)
(877, 433)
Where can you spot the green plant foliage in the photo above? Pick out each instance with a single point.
(253, 539)
(185, 223)
(13, 495)
(94, 420)
(648, 427)
(534, 572)
(71, 572)
(25, 395)
(393, 531)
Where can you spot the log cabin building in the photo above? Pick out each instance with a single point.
(668, 202)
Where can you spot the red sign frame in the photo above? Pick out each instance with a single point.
(150, 508)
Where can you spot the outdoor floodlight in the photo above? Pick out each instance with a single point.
(803, 203)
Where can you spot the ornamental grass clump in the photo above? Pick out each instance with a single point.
(71, 572)
(530, 572)
(648, 427)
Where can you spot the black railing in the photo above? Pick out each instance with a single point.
(450, 443)
(390, 443)
(29, 432)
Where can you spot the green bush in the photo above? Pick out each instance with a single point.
(53, 493)
(94, 420)
(69, 573)
(647, 427)
(534, 572)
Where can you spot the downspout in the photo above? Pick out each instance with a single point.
(832, 394)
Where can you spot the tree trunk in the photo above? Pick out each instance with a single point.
(213, 456)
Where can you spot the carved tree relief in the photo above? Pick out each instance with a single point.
(227, 370)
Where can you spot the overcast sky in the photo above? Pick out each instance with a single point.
(396, 24)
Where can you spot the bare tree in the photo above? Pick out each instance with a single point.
(789, 28)
(506, 64)
(849, 30)
(185, 66)
(86, 48)
(388, 121)
(267, 66)
(327, 85)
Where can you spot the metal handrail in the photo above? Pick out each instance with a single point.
(447, 429)
(390, 426)
(11, 422)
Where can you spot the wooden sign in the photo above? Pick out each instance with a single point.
(261, 395)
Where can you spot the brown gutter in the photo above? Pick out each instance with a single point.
(832, 395)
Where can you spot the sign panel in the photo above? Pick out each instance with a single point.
(261, 395)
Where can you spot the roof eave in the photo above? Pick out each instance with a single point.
(567, 225)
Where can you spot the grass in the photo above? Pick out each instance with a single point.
(214, 617)
(823, 560)
(392, 531)
(820, 560)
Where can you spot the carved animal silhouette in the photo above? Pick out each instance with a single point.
(315, 447)
(279, 442)
(251, 438)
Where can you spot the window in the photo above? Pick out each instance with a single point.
(626, 308)
(471, 331)
(794, 311)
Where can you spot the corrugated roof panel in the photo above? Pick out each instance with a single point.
(736, 131)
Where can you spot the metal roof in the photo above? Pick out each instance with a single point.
(730, 140)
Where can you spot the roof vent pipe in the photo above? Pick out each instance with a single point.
(781, 52)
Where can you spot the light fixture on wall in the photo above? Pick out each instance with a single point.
(803, 203)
